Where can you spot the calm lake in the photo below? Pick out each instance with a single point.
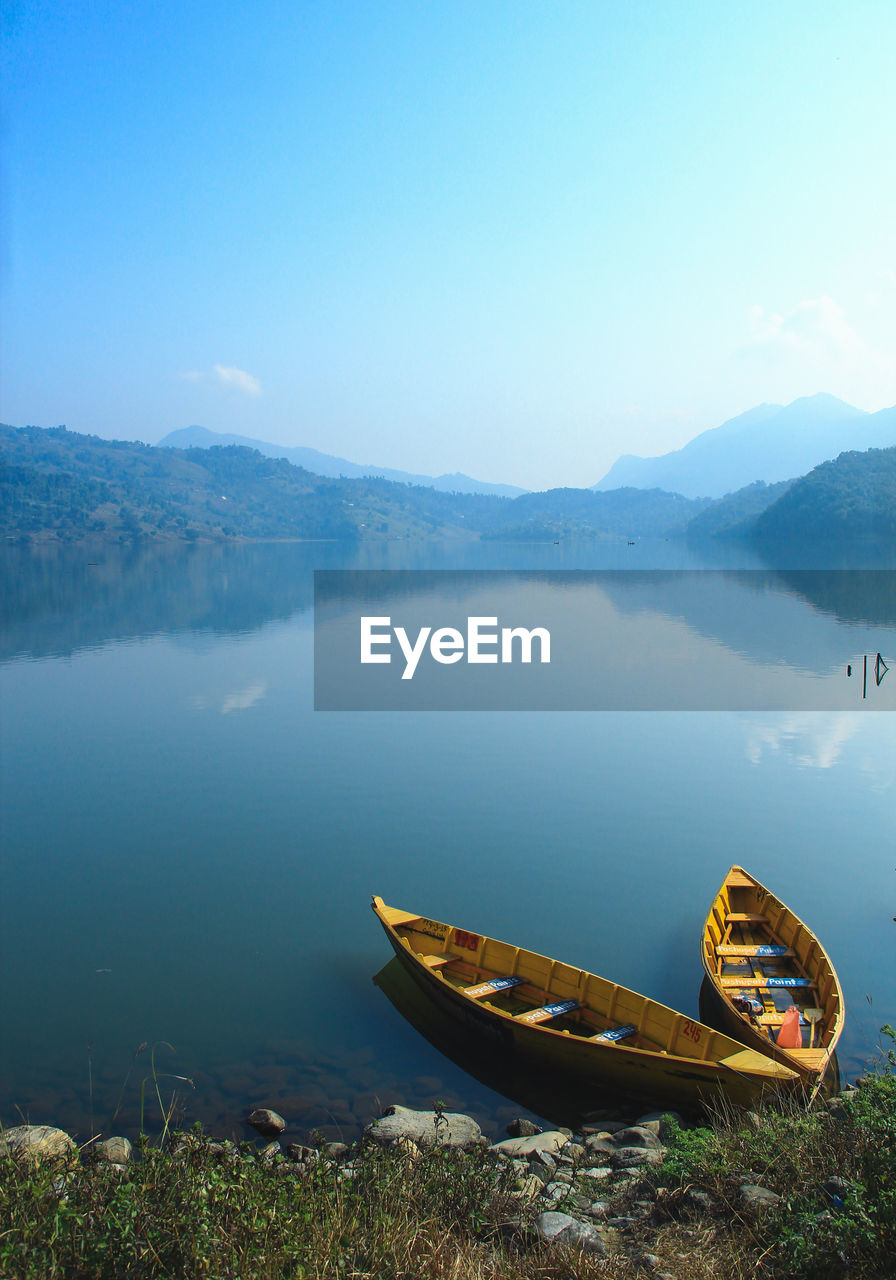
(189, 848)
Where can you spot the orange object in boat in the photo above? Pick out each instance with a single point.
(790, 1036)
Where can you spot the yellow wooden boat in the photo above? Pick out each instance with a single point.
(770, 979)
(571, 1023)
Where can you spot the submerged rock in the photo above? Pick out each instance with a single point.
(268, 1123)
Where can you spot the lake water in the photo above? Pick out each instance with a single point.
(190, 848)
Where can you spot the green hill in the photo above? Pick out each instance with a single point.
(734, 515)
(60, 485)
(618, 513)
(852, 497)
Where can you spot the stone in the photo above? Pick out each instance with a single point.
(299, 1153)
(37, 1142)
(647, 1261)
(270, 1152)
(336, 1150)
(757, 1198)
(522, 1128)
(540, 1171)
(599, 1208)
(603, 1127)
(595, 1175)
(407, 1148)
(426, 1129)
(696, 1201)
(637, 1136)
(428, 1086)
(554, 1192)
(599, 1149)
(573, 1152)
(529, 1187)
(545, 1159)
(115, 1151)
(838, 1189)
(559, 1228)
(636, 1157)
(551, 1141)
(624, 1222)
(266, 1122)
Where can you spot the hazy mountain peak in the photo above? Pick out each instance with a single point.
(769, 442)
(325, 464)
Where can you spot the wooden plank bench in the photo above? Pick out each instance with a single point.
(548, 1011)
(745, 917)
(492, 987)
(756, 950)
(775, 1020)
(612, 1034)
(436, 962)
(761, 983)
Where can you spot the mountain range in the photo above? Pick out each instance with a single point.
(61, 485)
(325, 464)
(770, 443)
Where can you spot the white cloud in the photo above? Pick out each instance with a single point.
(811, 740)
(238, 380)
(817, 326)
(240, 700)
(815, 346)
(244, 698)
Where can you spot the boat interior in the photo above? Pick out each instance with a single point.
(766, 961)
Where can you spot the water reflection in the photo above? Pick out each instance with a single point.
(561, 1102)
(55, 601)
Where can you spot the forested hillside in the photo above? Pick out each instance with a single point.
(854, 496)
(60, 485)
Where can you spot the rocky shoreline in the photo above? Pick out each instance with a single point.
(591, 1191)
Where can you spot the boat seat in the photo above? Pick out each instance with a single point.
(612, 1034)
(775, 1019)
(745, 917)
(491, 988)
(756, 950)
(436, 962)
(766, 982)
(548, 1011)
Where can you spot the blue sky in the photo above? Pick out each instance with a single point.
(512, 239)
